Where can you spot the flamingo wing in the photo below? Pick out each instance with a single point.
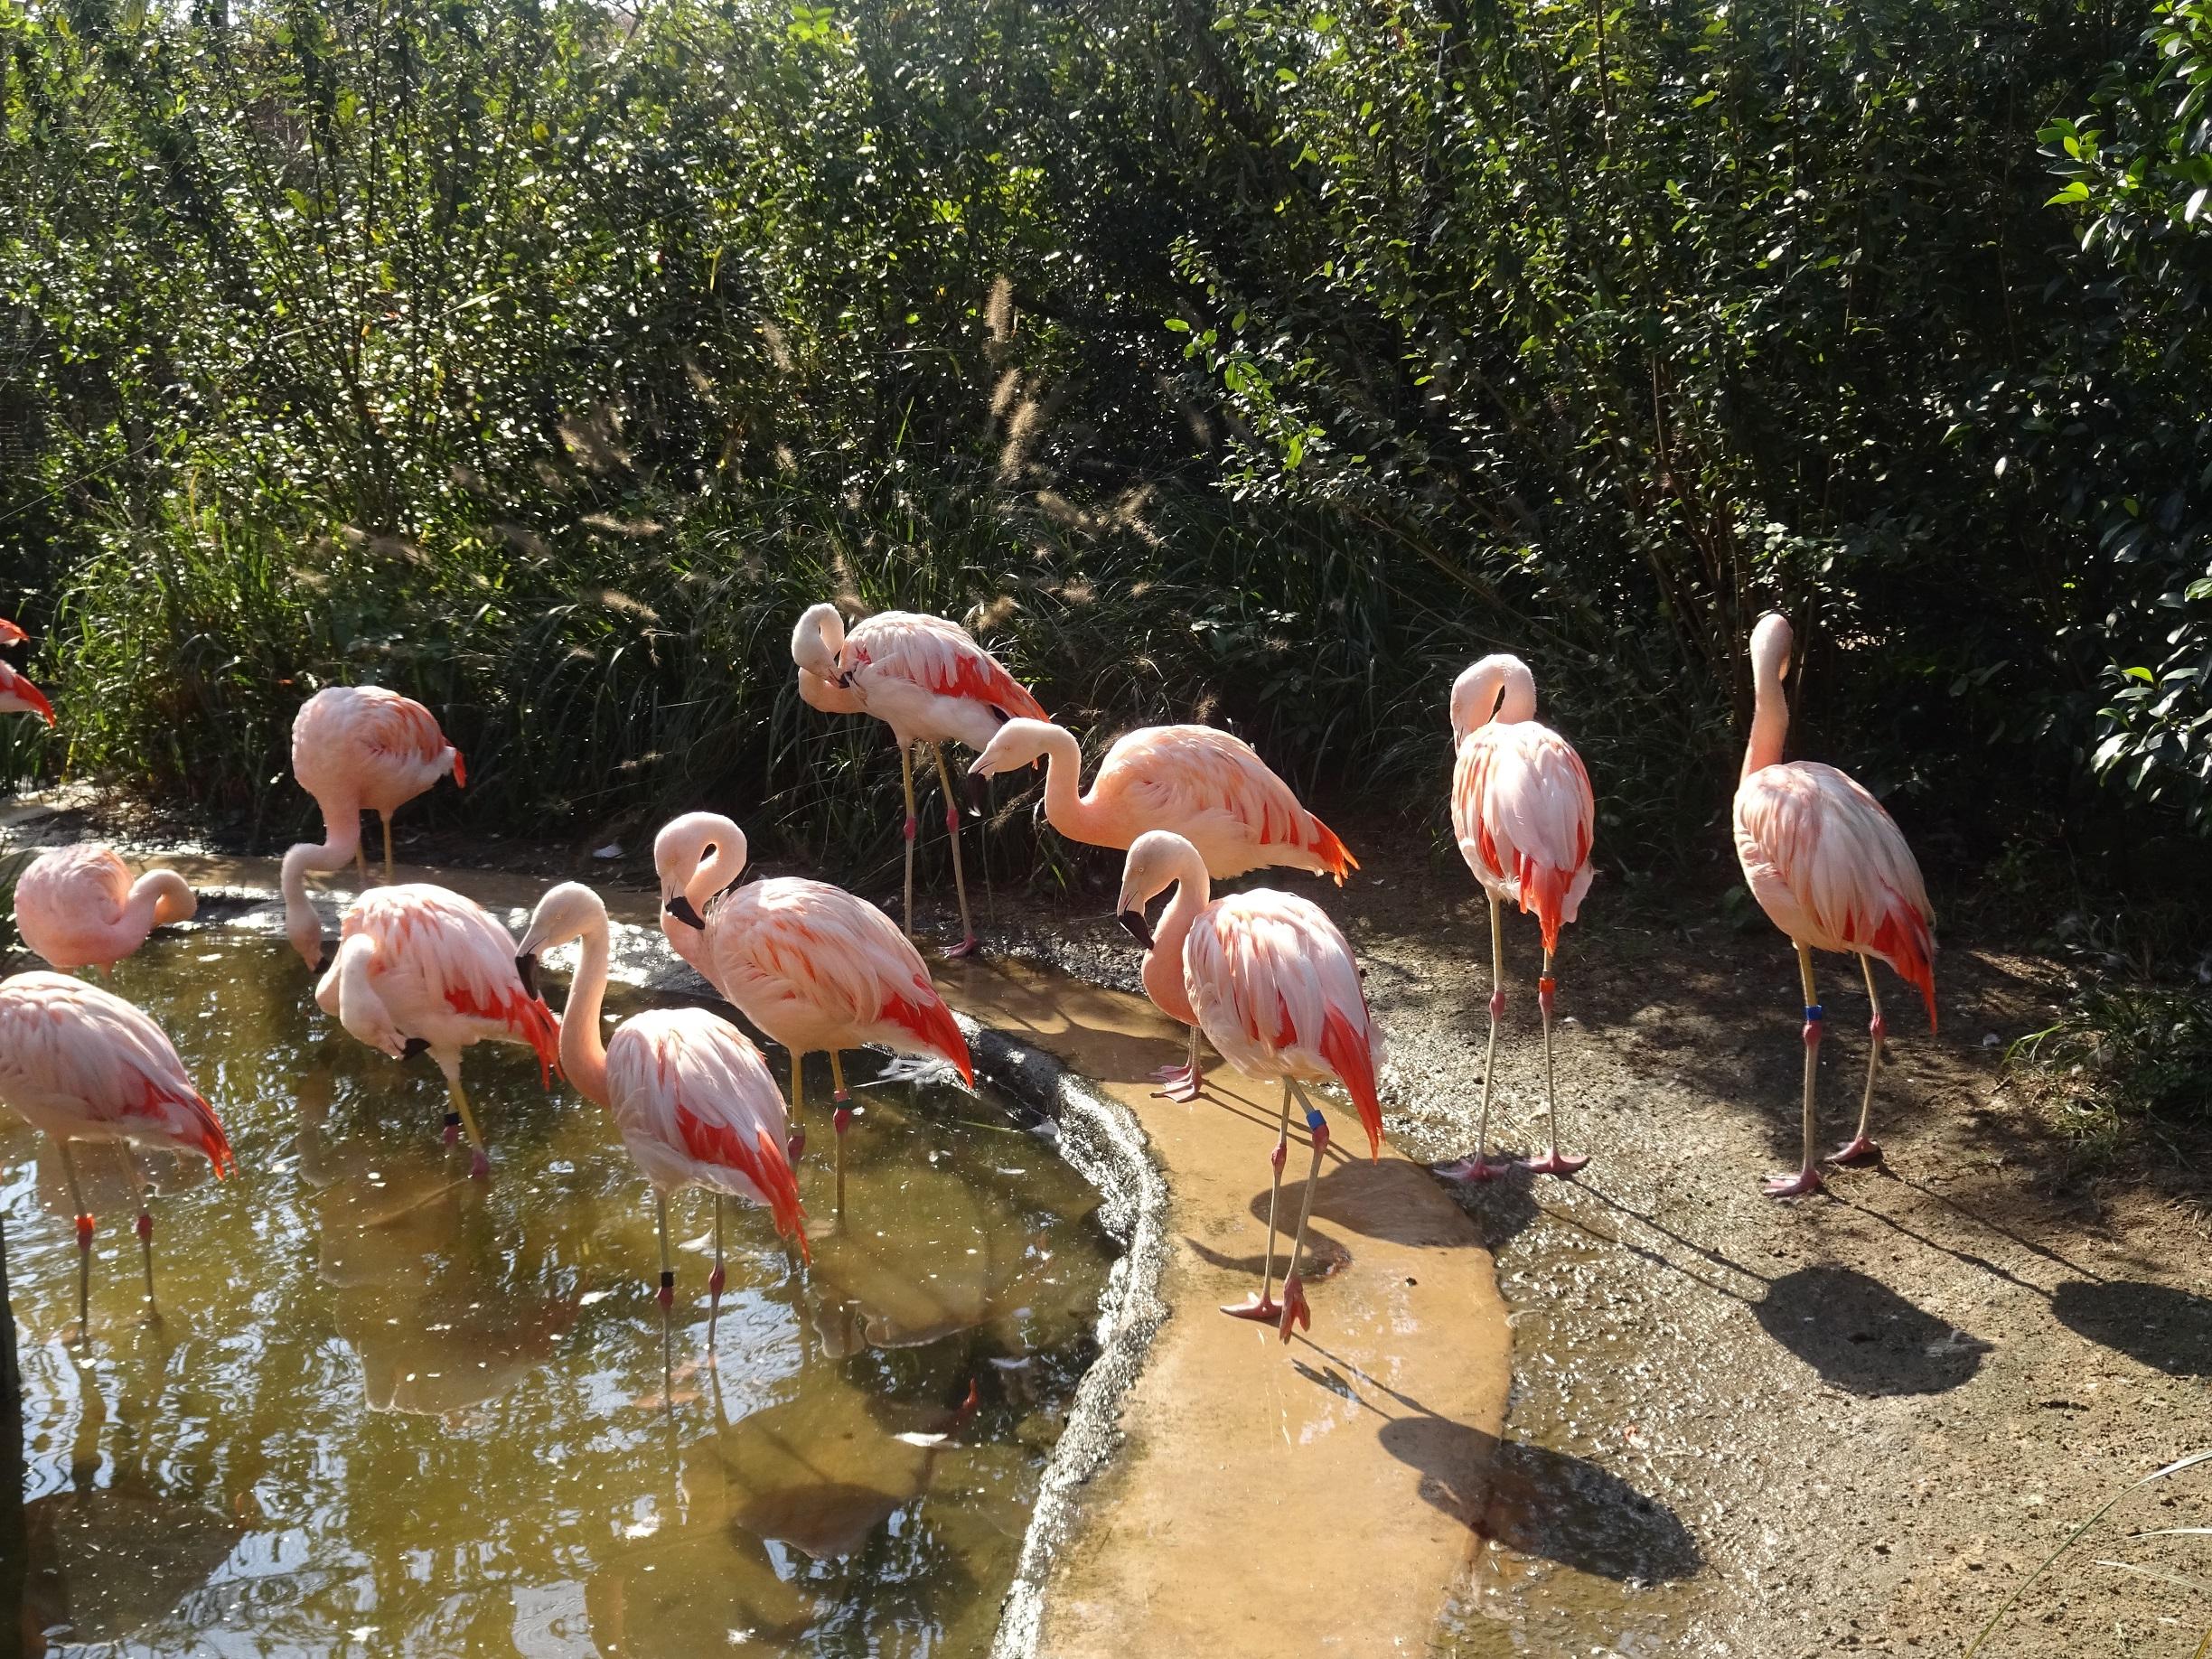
(939, 656)
(11, 633)
(1523, 812)
(695, 1103)
(1273, 980)
(1179, 777)
(1833, 869)
(462, 957)
(19, 694)
(399, 728)
(73, 1050)
(818, 945)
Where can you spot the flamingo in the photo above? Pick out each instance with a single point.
(1277, 989)
(1207, 786)
(355, 748)
(809, 964)
(927, 679)
(18, 696)
(422, 968)
(1522, 811)
(1832, 870)
(11, 633)
(77, 906)
(692, 1098)
(83, 1064)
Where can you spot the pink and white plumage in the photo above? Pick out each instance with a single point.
(690, 1095)
(925, 678)
(1273, 983)
(11, 633)
(18, 696)
(83, 1064)
(420, 967)
(1831, 868)
(1523, 813)
(77, 906)
(811, 964)
(356, 749)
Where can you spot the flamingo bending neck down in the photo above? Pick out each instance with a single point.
(83, 1064)
(1523, 814)
(356, 748)
(1831, 868)
(811, 964)
(1208, 787)
(1277, 989)
(692, 1097)
(420, 968)
(927, 679)
(77, 906)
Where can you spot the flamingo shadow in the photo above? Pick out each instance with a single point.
(2167, 1329)
(1863, 1336)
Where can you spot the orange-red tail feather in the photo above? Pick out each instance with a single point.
(1334, 855)
(1352, 1058)
(931, 1022)
(1904, 941)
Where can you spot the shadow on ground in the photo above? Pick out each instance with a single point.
(2167, 1329)
(1863, 1336)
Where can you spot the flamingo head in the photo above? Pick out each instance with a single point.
(1157, 860)
(1019, 743)
(816, 642)
(696, 856)
(1499, 687)
(566, 912)
(1771, 641)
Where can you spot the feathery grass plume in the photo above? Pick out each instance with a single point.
(988, 618)
(702, 383)
(616, 600)
(633, 530)
(1002, 394)
(595, 439)
(1022, 430)
(779, 347)
(522, 538)
(998, 313)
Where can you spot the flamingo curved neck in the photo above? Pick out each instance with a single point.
(1066, 808)
(360, 1009)
(157, 898)
(342, 840)
(1519, 701)
(716, 871)
(1769, 713)
(1194, 892)
(582, 1051)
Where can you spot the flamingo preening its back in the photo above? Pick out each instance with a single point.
(928, 680)
(1832, 870)
(811, 964)
(1523, 814)
(1208, 787)
(691, 1096)
(77, 906)
(421, 969)
(357, 748)
(1275, 987)
(83, 1064)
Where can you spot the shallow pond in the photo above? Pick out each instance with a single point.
(390, 1409)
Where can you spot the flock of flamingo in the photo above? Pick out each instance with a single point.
(1265, 975)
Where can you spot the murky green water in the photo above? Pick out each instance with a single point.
(392, 1411)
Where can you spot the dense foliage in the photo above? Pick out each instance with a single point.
(1265, 361)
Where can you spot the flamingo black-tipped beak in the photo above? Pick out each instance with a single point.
(682, 909)
(979, 791)
(526, 966)
(1134, 924)
(413, 1047)
(844, 680)
(320, 961)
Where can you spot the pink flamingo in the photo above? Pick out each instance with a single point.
(809, 964)
(930, 681)
(83, 1064)
(1208, 787)
(1277, 989)
(11, 633)
(356, 748)
(77, 906)
(1832, 870)
(18, 696)
(692, 1098)
(421, 969)
(1521, 809)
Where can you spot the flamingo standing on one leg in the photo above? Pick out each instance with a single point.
(809, 964)
(355, 748)
(1207, 786)
(77, 906)
(693, 1099)
(420, 967)
(1276, 988)
(930, 681)
(1831, 869)
(83, 1064)
(1523, 813)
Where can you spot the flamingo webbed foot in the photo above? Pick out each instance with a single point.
(1556, 1163)
(1478, 1169)
(1859, 1150)
(967, 947)
(1182, 1083)
(1802, 1184)
(1294, 1308)
(480, 1166)
(794, 1145)
(1260, 1309)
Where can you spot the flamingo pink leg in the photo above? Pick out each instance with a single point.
(668, 1300)
(715, 1282)
(1294, 1308)
(840, 1119)
(1807, 1180)
(84, 1245)
(1861, 1148)
(906, 776)
(959, 880)
(795, 1142)
(1185, 1082)
(1482, 1167)
(146, 1221)
(1264, 1307)
(1553, 1162)
(479, 1161)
